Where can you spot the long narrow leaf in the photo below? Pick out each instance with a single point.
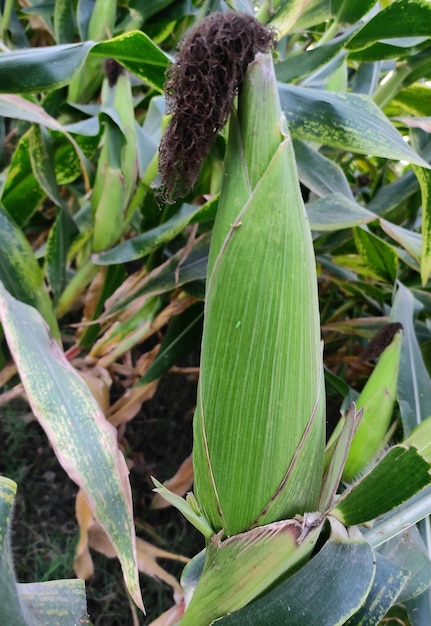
(83, 440)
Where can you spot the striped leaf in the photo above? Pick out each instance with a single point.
(83, 440)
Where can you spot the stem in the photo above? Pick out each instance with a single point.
(141, 192)
(76, 287)
(328, 34)
(6, 18)
(265, 12)
(385, 93)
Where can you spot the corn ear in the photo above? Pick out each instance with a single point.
(259, 421)
(377, 401)
(117, 166)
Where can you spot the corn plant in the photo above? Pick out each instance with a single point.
(310, 195)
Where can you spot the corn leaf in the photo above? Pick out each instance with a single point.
(347, 12)
(388, 583)
(288, 71)
(401, 18)
(316, 594)
(379, 256)
(343, 120)
(414, 382)
(183, 334)
(45, 69)
(84, 442)
(20, 271)
(335, 212)
(34, 604)
(400, 518)
(403, 471)
(424, 177)
(321, 175)
(409, 551)
(377, 400)
(142, 245)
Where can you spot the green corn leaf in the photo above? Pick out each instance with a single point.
(335, 212)
(337, 451)
(317, 593)
(142, 245)
(191, 513)
(41, 69)
(409, 240)
(102, 19)
(347, 12)
(254, 560)
(139, 54)
(388, 583)
(409, 551)
(259, 414)
(183, 335)
(46, 69)
(321, 175)
(287, 16)
(403, 471)
(378, 255)
(20, 108)
(401, 18)
(315, 12)
(63, 21)
(60, 238)
(21, 273)
(53, 603)
(424, 177)
(308, 62)
(348, 121)
(83, 440)
(41, 158)
(117, 166)
(22, 194)
(414, 382)
(377, 400)
(400, 518)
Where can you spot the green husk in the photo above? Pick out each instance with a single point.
(259, 422)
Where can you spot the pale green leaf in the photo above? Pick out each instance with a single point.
(21, 273)
(348, 121)
(83, 440)
(335, 212)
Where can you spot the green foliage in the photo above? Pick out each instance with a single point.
(120, 278)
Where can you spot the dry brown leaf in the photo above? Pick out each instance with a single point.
(83, 563)
(147, 564)
(146, 554)
(113, 345)
(99, 382)
(92, 294)
(180, 483)
(130, 403)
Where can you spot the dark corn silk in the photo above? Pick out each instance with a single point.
(200, 90)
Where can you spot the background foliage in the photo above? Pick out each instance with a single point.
(119, 277)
